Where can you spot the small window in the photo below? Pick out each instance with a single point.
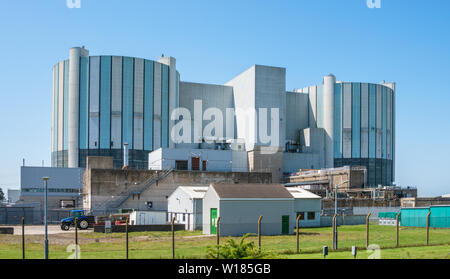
(181, 165)
(302, 215)
(311, 215)
(184, 217)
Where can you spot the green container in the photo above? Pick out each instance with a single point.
(414, 217)
(440, 216)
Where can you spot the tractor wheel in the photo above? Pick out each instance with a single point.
(65, 226)
(83, 225)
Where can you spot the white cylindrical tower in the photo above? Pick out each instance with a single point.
(172, 63)
(74, 98)
(328, 116)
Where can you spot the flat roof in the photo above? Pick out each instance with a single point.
(251, 191)
(300, 193)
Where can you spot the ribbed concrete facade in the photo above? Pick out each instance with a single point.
(102, 102)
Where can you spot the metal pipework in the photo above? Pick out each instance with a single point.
(125, 155)
(259, 232)
(218, 235)
(397, 229)
(334, 232)
(428, 228)
(45, 218)
(367, 230)
(23, 238)
(173, 237)
(298, 233)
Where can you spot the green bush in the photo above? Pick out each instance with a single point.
(237, 250)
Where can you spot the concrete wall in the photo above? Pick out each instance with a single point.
(217, 160)
(100, 187)
(296, 114)
(241, 217)
(212, 96)
(305, 206)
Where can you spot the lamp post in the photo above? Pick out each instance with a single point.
(335, 235)
(45, 218)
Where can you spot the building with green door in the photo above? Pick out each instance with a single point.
(240, 205)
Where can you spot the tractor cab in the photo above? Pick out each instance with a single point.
(83, 222)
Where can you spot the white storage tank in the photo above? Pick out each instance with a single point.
(148, 218)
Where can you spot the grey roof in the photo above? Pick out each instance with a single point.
(251, 191)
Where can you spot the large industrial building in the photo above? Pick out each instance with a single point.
(101, 103)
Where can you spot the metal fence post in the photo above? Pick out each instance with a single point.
(259, 232)
(397, 229)
(335, 246)
(23, 238)
(298, 233)
(367, 230)
(173, 237)
(428, 228)
(76, 238)
(126, 234)
(218, 235)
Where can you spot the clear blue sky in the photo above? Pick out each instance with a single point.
(406, 41)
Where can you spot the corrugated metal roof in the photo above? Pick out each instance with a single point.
(299, 193)
(251, 191)
(195, 192)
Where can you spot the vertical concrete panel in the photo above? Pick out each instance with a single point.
(54, 139)
(328, 118)
(105, 102)
(356, 120)
(372, 119)
(148, 105)
(347, 121)
(74, 105)
(364, 120)
(66, 108)
(60, 105)
(116, 102)
(138, 104)
(313, 107)
(94, 102)
(157, 107)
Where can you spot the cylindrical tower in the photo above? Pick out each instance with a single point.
(74, 96)
(328, 118)
(102, 102)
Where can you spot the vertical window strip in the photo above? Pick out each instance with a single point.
(84, 103)
(148, 104)
(66, 106)
(338, 121)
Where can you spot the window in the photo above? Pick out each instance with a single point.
(302, 215)
(184, 217)
(181, 165)
(311, 215)
(67, 203)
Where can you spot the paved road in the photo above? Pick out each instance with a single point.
(39, 230)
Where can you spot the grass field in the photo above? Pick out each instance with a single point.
(155, 245)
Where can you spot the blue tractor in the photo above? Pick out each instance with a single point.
(84, 222)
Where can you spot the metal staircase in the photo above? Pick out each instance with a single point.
(115, 203)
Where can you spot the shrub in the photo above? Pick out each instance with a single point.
(237, 250)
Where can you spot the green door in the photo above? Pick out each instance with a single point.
(285, 224)
(213, 217)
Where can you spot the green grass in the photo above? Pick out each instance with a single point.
(147, 245)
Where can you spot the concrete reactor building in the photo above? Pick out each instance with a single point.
(114, 105)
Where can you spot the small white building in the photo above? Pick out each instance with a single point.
(205, 159)
(186, 205)
(240, 205)
(148, 218)
(307, 205)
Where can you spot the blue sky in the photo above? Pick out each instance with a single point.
(406, 41)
